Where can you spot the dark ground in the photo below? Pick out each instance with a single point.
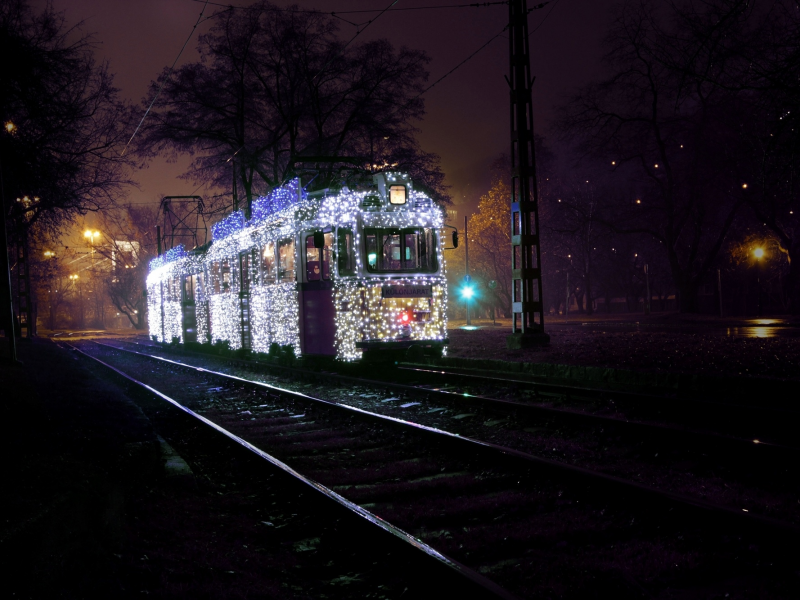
(659, 343)
(89, 512)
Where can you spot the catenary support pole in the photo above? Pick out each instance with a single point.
(466, 273)
(527, 302)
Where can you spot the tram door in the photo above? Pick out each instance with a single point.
(189, 308)
(317, 326)
(244, 299)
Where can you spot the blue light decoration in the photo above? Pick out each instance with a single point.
(231, 224)
(169, 256)
(277, 200)
(360, 310)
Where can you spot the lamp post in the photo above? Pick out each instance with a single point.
(49, 255)
(759, 254)
(467, 278)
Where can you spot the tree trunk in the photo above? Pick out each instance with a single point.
(589, 307)
(687, 296)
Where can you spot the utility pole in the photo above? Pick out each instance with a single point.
(7, 319)
(466, 273)
(527, 302)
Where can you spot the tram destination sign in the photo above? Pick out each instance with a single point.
(407, 291)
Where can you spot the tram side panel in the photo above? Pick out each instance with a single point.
(275, 316)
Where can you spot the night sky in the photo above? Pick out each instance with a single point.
(467, 113)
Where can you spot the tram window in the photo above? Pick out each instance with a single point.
(312, 260)
(347, 252)
(397, 194)
(268, 263)
(327, 255)
(215, 277)
(225, 272)
(286, 260)
(398, 250)
(318, 260)
(189, 284)
(244, 271)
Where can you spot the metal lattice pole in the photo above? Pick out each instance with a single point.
(526, 274)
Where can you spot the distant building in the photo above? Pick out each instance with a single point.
(451, 216)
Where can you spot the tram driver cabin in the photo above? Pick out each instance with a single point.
(330, 273)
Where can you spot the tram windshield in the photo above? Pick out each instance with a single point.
(411, 250)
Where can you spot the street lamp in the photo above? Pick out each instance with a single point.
(49, 254)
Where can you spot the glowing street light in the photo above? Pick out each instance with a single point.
(10, 127)
(88, 234)
(467, 292)
(758, 253)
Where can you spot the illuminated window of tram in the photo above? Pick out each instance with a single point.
(397, 194)
(286, 260)
(318, 260)
(401, 250)
(226, 275)
(347, 252)
(268, 263)
(215, 277)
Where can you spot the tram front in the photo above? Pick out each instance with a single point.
(391, 293)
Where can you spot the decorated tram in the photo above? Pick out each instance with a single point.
(330, 272)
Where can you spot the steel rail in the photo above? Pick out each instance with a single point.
(757, 523)
(456, 566)
(680, 434)
(590, 392)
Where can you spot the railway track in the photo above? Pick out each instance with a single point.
(468, 497)
(752, 476)
(417, 568)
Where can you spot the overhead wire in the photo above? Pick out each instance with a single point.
(390, 8)
(352, 39)
(163, 83)
(549, 12)
(366, 10)
(468, 58)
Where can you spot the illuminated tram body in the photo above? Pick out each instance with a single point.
(330, 273)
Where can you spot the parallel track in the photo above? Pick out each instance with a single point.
(509, 464)
(753, 463)
(483, 587)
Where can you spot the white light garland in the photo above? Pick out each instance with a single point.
(362, 314)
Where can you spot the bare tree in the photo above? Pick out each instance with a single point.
(64, 126)
(129, 244)
(668, 135)
(274, 85)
